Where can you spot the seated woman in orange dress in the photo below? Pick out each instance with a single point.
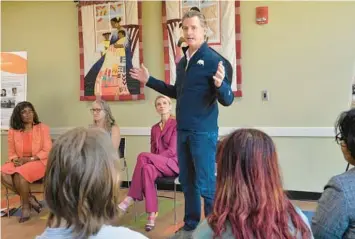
(29, 143)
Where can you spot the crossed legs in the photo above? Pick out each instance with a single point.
(20, 186)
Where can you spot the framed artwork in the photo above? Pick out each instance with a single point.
(223, 34)
(110, 41)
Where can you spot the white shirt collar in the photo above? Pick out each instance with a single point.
(188, 57)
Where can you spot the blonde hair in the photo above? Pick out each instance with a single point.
(168, 99)
(162, 97)
(109, 119)
(81, 182)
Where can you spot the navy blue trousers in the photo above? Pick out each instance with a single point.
(197, 157)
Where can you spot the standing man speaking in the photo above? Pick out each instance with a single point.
(200, 82)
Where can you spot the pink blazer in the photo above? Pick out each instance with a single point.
(41, 143)
(164, 143)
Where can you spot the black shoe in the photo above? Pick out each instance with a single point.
(23, 219)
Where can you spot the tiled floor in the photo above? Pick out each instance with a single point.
(10, 228)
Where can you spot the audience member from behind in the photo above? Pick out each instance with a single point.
(29, 143)
(250, 201)
(81, 187)
(335, 213)
(103, 118)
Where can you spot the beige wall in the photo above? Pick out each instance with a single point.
(303, 57)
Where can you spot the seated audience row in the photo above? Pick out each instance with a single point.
(161, 161)
(82, 180)
(29, 143)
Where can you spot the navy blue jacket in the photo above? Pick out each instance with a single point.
(195, 92)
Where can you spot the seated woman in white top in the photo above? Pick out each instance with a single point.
(82, 186)
(103, 118)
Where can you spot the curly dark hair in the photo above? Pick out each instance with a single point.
(345, 130)
(115, 19)
(16, 121)
(195, 9)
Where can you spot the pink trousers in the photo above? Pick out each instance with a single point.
(148, 168)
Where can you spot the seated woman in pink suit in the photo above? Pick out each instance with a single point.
(29, 143)
(160, 162)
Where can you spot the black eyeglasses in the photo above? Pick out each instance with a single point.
(338, 138)
(95, 110)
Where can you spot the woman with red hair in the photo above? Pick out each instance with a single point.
(250, 201)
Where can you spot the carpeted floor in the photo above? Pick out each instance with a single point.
(10, 228)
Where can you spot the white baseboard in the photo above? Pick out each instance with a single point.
(272, 131)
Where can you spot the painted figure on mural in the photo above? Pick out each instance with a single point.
(108, 75)
(104, 45)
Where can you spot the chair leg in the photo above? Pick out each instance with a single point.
(174, 203)
(127, 176)
(135, 211)
(7, 202)
(347, 167)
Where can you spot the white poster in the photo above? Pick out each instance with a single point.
(13, 83)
